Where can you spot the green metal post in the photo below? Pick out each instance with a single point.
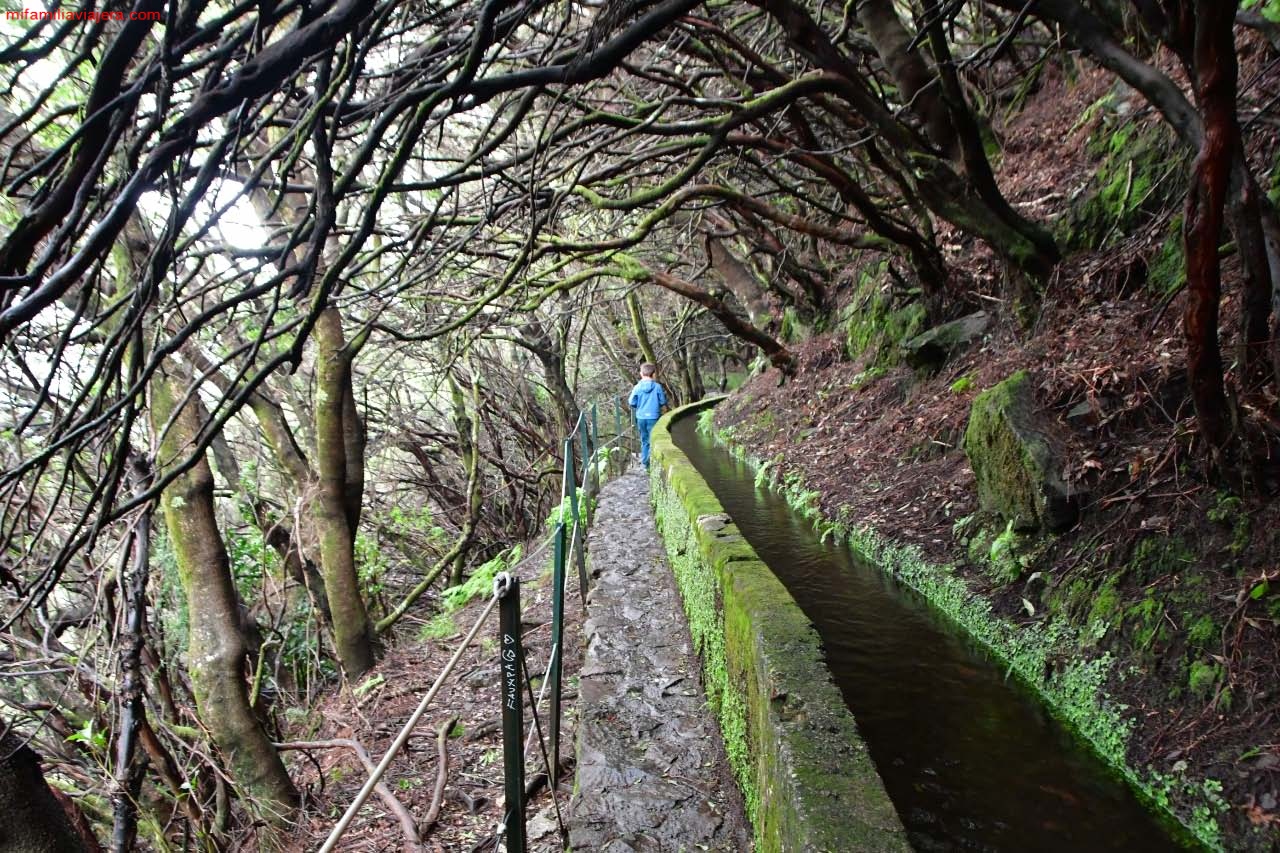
(583, 433)
(569, 467)
(557, 634)
(579, 532)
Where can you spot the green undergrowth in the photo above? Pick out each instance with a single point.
(1043, 656)
(564, 512)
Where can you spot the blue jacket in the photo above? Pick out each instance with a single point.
(647, 398)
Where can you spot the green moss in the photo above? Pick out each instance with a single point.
(1147, 623)
(875, 323)
(1012, 462)
(1105, 608)
(1167, 269)
(1202, 632)
(961, 385)
(806, 778)
(1203, 679)
(1157, 556)
(1131, 183)
(1228, 510)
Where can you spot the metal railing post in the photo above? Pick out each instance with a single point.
(511, 662)
(577, 535)
(586, 473)
(557, 643)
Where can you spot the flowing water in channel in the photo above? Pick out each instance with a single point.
(971, 762)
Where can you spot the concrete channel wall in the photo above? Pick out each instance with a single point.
(806, 776)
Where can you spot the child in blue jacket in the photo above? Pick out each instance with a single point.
(647, 402)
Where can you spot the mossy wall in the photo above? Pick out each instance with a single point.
(806, 776)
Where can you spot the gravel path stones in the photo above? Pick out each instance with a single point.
(652, 773)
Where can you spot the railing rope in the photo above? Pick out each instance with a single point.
(568, 541)
(401, 739)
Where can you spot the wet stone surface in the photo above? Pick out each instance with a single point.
(652, 773)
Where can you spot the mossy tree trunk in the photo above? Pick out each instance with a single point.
(215, 645)
(293, 465)
(640, 328)
(338, 491)
(550, 352)
(467, 423)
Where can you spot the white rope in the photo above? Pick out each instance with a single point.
(371, 783)
(401, 739)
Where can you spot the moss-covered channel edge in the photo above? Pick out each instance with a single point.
(805, 774)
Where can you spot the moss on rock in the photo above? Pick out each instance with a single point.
(1014, 465)
(874, 323)
(1131, 185)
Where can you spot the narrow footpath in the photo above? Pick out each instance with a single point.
(652, 772)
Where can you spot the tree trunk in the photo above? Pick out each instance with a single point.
(910, 72)
(640, 328)
(352, 633)
(132, 711)
(740, 281)
(1215, 82)
(215, 646)
(31, 821)
(550, 354)
(973, 152)
(468, 426)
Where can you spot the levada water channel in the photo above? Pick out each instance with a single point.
(971, 761)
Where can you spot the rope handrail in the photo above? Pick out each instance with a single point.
(591, 452)
(403, 737)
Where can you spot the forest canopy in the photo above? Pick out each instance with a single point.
(298, 298)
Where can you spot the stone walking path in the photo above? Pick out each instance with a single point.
(652, 773)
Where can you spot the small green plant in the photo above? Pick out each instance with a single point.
(438, 627)
(1203, 678)
(89, 736)
(1003, 554)
(564, 512)
(1229, 510)
(707, 422)
(961, 385)
(371, 683)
